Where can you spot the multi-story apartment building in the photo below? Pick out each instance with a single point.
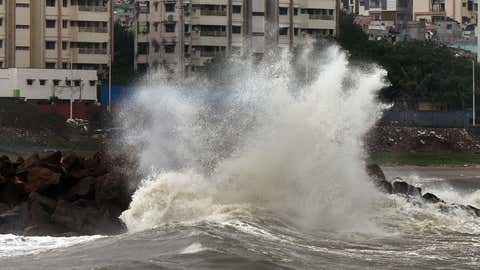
(398, 11)
(55, 34)
(462, 11)
(183, 35)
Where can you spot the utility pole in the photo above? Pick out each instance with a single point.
(181, 39)
(110, 57)
(229, 27)
(291, 30)
(473, 93)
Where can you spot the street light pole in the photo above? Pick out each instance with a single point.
(473, 93)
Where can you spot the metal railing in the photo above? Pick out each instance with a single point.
(320, 17)
(93, 29)
(93, 8)
(213, 33)
(206, 12)
(208, 53)
(92, 51)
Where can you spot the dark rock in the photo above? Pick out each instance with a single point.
(44, 229)
(385, 187)
(431, 198)
(400, 187)
(111, 193)
(72, 161)
(7, 168)
(374, 171)
(473, 210)
(44, 201)
(31, 161)
(83, 189)
(40, 179)
(13, 191)
(83, 217)
(14, 220)
(69, 216)
(52, 158)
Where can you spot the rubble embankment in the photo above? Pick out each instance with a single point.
(416, 139)
(64, 194)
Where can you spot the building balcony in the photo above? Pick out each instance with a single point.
(88, 34)
(213, 33)
(320, 17)
(93, 29)
(204, 12)
(90, 55)
(90, 13)
(93, 8)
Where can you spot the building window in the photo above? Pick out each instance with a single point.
(283, 31)
(50, 65)
(51, 3)
(169, 48)
(64, 45)
(65, 23)
(22, 48)
(283, 11)
(65, 3)
(236, 29)
(237, 9)
(92, 83)
(169, 7)
(68, 82)
(142, 47)
(1, 21)
(30, 81)
(1, 2)
(55, 82)
(42, 82)
(1, 43)
(295, 12)
(22, 5)
(21, 26)
(50, 24)
(50, 45)
(170, 28)
(77, 82)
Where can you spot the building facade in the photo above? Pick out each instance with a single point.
(184, 35)
(462, 11)
(56, 34)
(398, 11)
(45, 84)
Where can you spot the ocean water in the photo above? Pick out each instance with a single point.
(253, 169)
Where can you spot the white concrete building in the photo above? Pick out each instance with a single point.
(183, 35)
(44, 84)
(56, 34)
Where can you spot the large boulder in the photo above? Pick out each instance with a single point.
(14, 220)
(7, 168)
(83, 217)
(379, 179)
(83, 189)
(13, 191)
(40, 179)
(431, 198)
(112, 193)
(400, 187)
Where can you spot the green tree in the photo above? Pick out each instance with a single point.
(417, 70)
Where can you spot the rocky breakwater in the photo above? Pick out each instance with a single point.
(64, 194)
(413, 193)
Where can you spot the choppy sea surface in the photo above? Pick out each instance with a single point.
(405, 237)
